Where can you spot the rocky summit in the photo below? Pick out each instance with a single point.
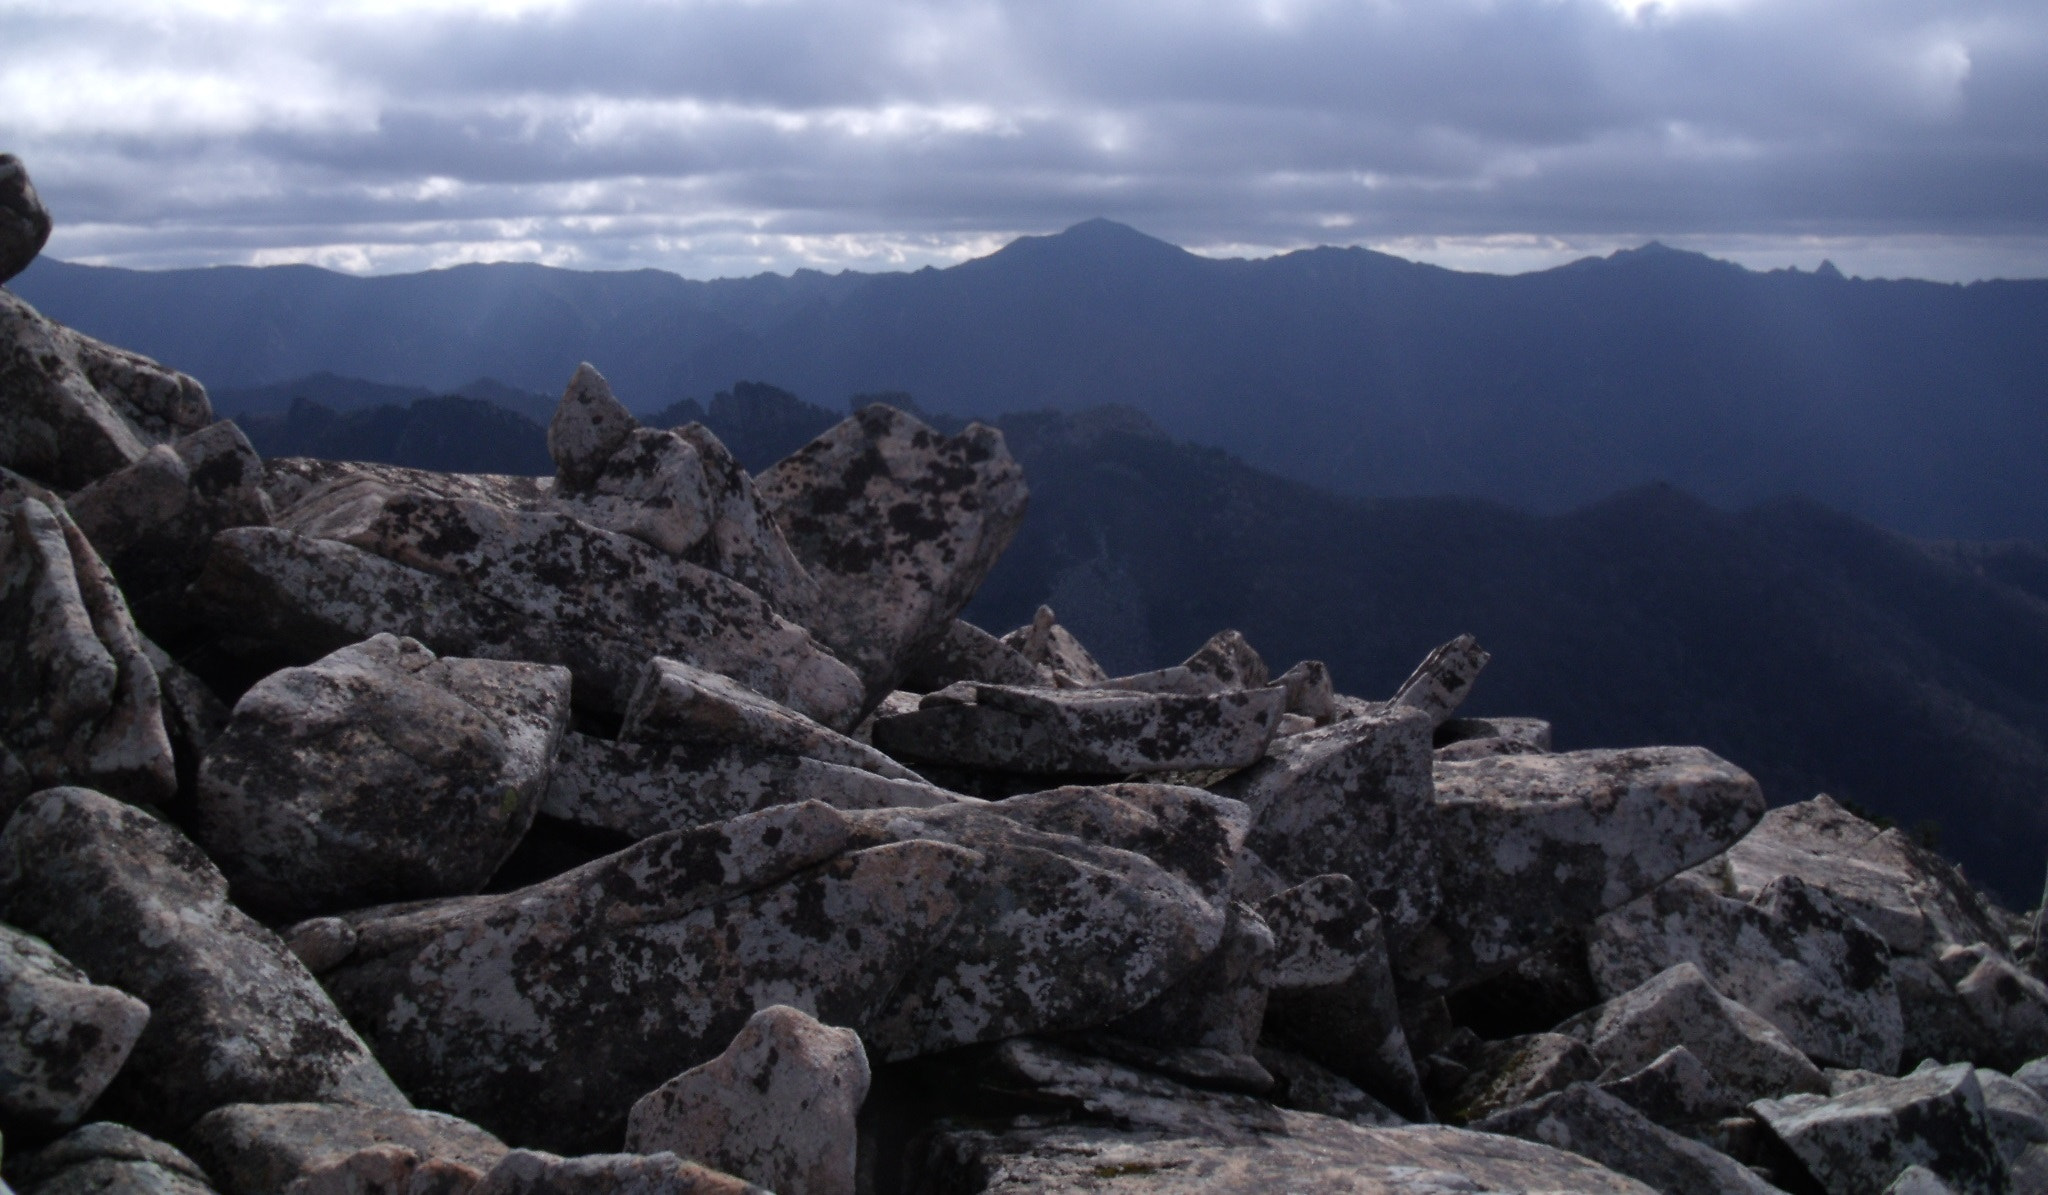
(658, 828)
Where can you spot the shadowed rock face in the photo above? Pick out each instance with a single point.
(898, 525)
(62, 1037)
(234, 1016)
(24, 223)
(1862, 1139)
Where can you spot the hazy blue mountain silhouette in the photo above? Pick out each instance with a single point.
(1817, 650)
(1921, 406)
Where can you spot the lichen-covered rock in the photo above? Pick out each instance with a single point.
(1529, 843)
(744, 541)
(1972, 1005)
(62, 1036)
(151, 521)
(106, 1159)
(234, 1016)
(73, 409)
(644, 789)
(290, 480)
(1303, 1085)
(378, 773)
(1305, 1155)
(678, 703)
(1910, 896)
(1511, 1073)
(2016, 1114)
(651, 487)
(898, 525)
(1788, 955)
(1593, 1124)
(1086, 732)
(1309, 691)
(1861, 1140)
(1227, 662)
(1440, 684)
(1351, 799)
(1744, 1052)
(1333, 994)
(966, 652)
(24, 222)
(1675, 1090)
(920, 929)
(193, 714)
(777, 1108)
(79, 702)
(589, 426)
(530, 1172)
(1219, 1006)
(1048, 645)
(259, 1149)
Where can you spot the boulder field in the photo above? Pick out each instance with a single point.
(656, 828)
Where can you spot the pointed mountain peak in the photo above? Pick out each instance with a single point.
(1092, 240)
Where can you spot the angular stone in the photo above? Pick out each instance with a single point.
(1221, 1004)
(2035, 1075)
(470, 578)
(257, 1149)
(1309, 692)
(1919, 1180)
(1305, 1155)
(589, 426)
(1676, 1090)
(644, 789)
(1910, 896)
(107, 1159)
(1083, 731)
(678, 703)
(152, 520)
(1478, 738)
(1440, 684)
(1788, 955)
(898, 525)
(1998, 1016)
(1861, 1140)
(62, 1037)
(651, 487)
(1201, 1066)
(234, 1016)
(745, 542)
(1304, 1086)
(1529, 843)
(2016, 1114)
(24, 222)
(193, 715)
(1351, 799)
(1679, 1007)
(1048, 645)
(73, 409)
(1333, 994)
(920, 929)
(1227, 662)
(1595, 1125)
(78, 698)
(1511, 1073)
(777, 1108)
(1092, 1086)
(966, 652)
(530, 1172)
(290, 480)
(378, 773)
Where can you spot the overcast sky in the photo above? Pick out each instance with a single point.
(722, 137)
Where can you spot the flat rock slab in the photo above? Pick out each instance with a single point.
(80, 704)
(73, 410)
(257, 1149)
(1744, 1052)
(776, 1108)
(1592, 1124)
(62, 1036)
(235, 1017)
(1085, 732)
(1529, 843)
(966, 652)
(530, 1172)
(1788, 954)
(1308, 1155)
(644, 789)
(678, 703)
(1910, 896)
(378, 773)
(1862, 1139)
(922, 929)
(1353, 799)
(898, 525)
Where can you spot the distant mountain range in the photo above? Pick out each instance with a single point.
(1920, 406)
(1813, 648)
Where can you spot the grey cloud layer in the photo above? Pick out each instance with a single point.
(719, 136)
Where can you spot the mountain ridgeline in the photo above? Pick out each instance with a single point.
(1819, 651)
(1918, 406)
